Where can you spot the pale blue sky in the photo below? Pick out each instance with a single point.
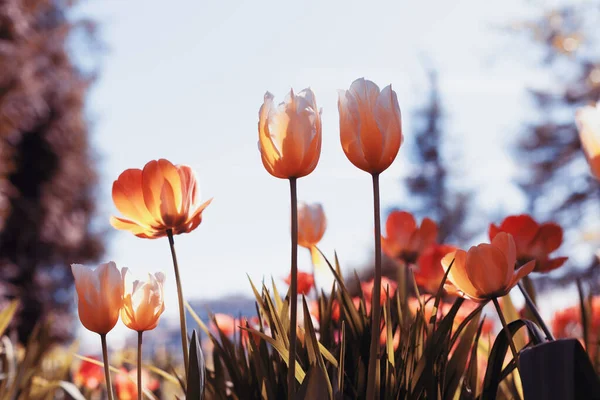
(184, 80)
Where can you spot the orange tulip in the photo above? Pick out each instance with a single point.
(225, 323)
(370, 128)
(567, 323)
(100, 296)
(405, 241)
(89, 375)
(588, 124)
(311, 228)
(160, 197)
(533, 241)
(387, 285)
(143, 302)
(486, 271)
(430, 273)
(306, 282)
(290, 135)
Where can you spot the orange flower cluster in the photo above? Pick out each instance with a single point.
(405, 240)
(306, 282)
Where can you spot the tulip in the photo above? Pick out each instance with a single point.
(588, 124)
(430, 273)
(126, 387)
(159, 199)
(224, 323)
(100, 298)
(533, 241)
(486, 271)
(405, 240)
(290, 135)
(371, 135)
(306, 282)
(290, 146)
(143, 302)
(311, 228)
(370, 128)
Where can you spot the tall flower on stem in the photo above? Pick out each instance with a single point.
(160, 200)
(289, 139)
(371, 135)
(143, 303)
(311, 228)
(486, 272)
(99, 301)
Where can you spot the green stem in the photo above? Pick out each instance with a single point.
(139, 369)
(106, 367)
(511, 343)
(293, 292)
(372, 390)
(533, 309)
(182, 324)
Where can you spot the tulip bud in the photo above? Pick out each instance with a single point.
(290, 135)
(370, 127)
(100, 296)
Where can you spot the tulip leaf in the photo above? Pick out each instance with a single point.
(196, 370)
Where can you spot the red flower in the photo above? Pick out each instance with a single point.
(126, 384)
(387, 285)
(306, 282)
(89, 375)
(405, 240)
(533, 241)
(430, 273)
(225, 323)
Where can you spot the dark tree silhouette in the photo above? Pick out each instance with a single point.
(47, 173)
(555, 176)
(431, 192)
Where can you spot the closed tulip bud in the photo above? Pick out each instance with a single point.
(311, 228)
(588, 124)
(486, 271)
(159, 198)
(143, 302)
(290, 135)
(370, 127)
(100, 296)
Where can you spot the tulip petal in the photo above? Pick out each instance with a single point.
(506, 244)
(523, 228)
(520, 273)
(128, 196)
(152, 183)
(400, 227)
(131, 226)
(486, 269)
(349, 130)
(268, 151)
(549, 237)
(588, 124)
(387, 116)
(458, 273)
(551, 265)
(171, 175)
(366, 94)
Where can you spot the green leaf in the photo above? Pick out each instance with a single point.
(196, 371)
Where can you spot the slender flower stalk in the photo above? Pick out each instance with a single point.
(531, 305)
(511, 343)
(182, 323)
(109, 389)
(376, 298)
(293, 292)
(139, 362)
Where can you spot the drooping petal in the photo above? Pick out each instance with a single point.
(520, 273)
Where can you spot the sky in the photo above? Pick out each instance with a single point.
(185, 81)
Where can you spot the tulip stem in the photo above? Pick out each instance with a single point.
(183, 325)
(372, 390)
(139, 369)
(513, 349)
(531, 304)
(109, 390)
(293, 292)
